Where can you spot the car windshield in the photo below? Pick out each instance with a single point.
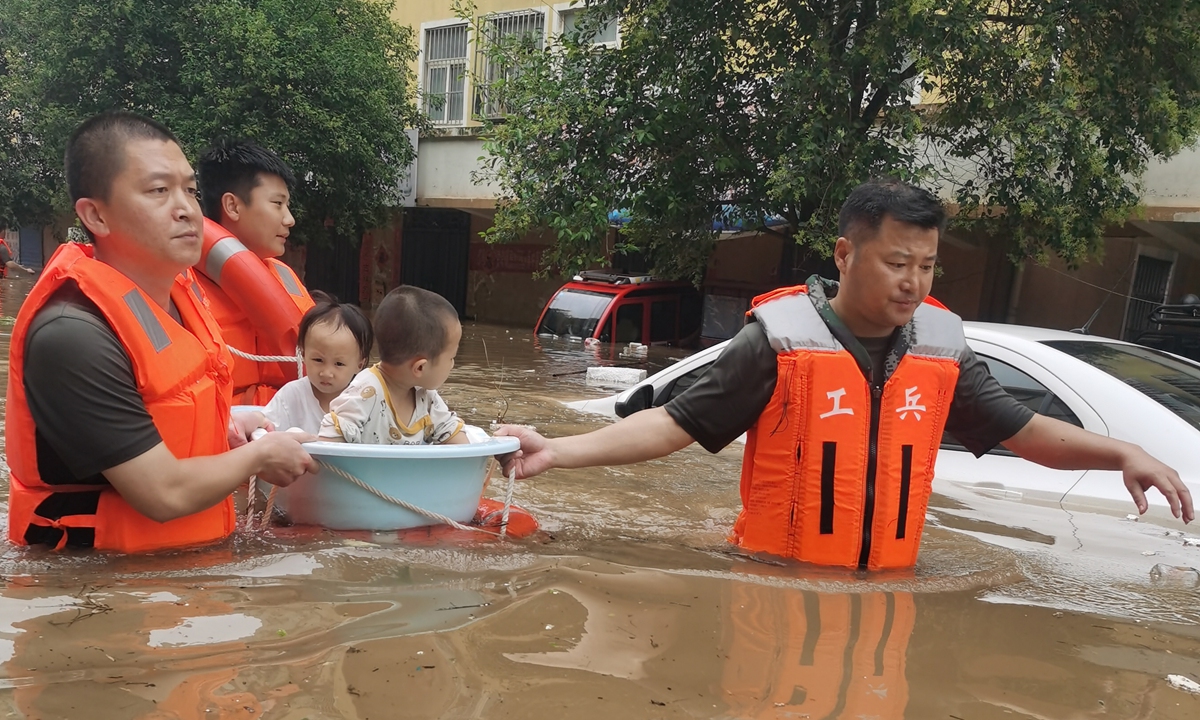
(574, 313)
(1169, 381)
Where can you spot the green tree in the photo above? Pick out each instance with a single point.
(325, 83)
(1037, 116)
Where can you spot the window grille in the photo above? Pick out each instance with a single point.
(524, 24)
(445, 74)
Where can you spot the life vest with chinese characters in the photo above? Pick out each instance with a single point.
(258, 304)
(837, 472)
(183, 377)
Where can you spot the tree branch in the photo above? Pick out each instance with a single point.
(889, 86)
(841, 33)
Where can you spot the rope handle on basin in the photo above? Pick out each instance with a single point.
(437, 517)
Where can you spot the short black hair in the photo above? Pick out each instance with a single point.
(870, 202)
(235, 166)
(96, 150)
(411, 322)
(328, 309)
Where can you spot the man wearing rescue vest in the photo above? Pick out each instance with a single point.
(246, 189)
(843, 390)
(118, 419)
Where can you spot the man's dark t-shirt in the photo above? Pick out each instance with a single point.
(727, 399)
(81, 392)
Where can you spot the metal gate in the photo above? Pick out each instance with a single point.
(1150, 283)
(333, 266)
(434, 253)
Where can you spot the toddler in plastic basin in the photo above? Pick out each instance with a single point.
(335, 341)
(395, 402)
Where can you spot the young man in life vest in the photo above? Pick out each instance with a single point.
(118, 420)
(844, 390)
(246, 189)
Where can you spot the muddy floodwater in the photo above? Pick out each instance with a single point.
(628, 605)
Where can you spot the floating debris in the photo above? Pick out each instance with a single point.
(1186, 684)
(1175, 575)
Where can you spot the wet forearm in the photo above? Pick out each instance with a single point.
(1062, 446)
(642, 436)
(163, 487)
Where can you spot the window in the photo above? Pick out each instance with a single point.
(1168, 381)
(521, 26)
(606, 35)
(629, 323)
(662, 321)
(1029, 392)
(724, 316)
(445, 74)
(680, 384)
(574, 313)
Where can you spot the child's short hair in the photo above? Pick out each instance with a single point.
(329, 310)
(411, 322)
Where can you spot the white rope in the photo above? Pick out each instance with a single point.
(252, 501)
(298, 358)
(429, 513)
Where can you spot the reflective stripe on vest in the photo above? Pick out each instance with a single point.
(822, 480)
(286, 277)
(183, 376)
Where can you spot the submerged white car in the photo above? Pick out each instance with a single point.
(1112, 388)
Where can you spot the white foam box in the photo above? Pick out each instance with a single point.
(615, 376)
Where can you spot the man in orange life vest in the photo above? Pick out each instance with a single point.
(246, 188)
(843, 390)
(118, 417)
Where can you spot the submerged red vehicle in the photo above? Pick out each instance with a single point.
(618, 308)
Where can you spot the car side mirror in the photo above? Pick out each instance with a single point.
(640, 399)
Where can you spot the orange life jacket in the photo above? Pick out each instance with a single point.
(183, 376)
(799, 653)
(835, 471)
(4, 266)
(258, 305)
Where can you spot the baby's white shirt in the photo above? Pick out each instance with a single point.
(364, 413)
(295, 406)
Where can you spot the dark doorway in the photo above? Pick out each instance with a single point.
(333, 266)
(433, 253)
(1150, 282)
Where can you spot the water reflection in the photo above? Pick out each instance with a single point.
(806, 654)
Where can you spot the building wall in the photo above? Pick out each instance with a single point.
(744, 266)
(444, 168)
(1056, 297)
(501, 286)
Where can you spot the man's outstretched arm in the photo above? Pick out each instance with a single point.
(642, 436)
(1063, 446)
